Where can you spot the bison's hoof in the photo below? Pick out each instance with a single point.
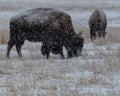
(7, 57)
(20, 56)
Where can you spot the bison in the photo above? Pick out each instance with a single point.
(45, 25)
(97, 24)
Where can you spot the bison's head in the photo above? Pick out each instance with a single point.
(101, 34)
(78, 42)
(74, 45)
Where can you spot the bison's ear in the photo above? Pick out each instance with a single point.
(80, 33)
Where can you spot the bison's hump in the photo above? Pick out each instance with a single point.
(39, 15)
(98, 13)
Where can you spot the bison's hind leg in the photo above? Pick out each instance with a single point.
(18, 47)
(11, 43)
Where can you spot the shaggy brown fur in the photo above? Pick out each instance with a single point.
(97, 24)
(44, 25)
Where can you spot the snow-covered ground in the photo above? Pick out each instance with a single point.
(95, 73)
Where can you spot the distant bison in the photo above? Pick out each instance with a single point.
(44, 25)
(97, 24)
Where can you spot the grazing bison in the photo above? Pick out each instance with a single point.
(97, 24)
(44, 25)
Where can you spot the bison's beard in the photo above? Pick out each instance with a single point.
(55, 50)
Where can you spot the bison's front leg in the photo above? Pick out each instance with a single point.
(91, 35)
(48, 53)
(62, 55)
(45, 50)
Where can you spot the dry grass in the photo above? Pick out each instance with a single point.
(113, 34)
(85, 32)
(47, 78)
(4, 36)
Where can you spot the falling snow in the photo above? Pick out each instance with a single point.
(94, 73)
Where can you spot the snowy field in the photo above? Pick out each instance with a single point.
(95, 73)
